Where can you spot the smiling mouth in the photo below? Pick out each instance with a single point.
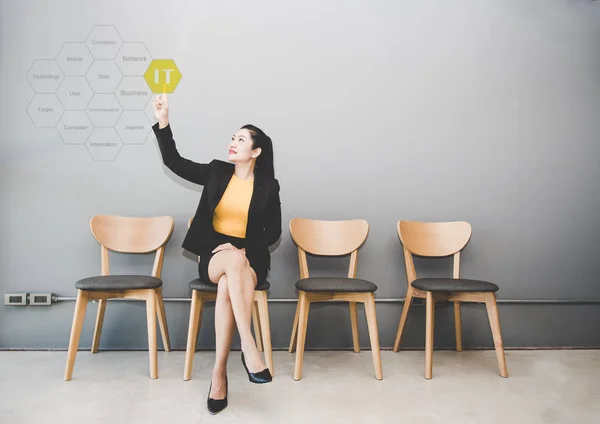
(232, 151)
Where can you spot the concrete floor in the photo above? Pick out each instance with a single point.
(337, 387)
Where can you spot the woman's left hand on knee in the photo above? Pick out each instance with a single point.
(228, 246)
(225, 246)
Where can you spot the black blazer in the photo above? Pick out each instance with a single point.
(264, 215)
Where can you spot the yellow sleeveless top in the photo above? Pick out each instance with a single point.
(231, 214)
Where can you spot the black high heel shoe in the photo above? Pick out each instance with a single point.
(260, 377)
(215, 406)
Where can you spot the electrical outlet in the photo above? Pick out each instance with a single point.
(36, 299)
(15, 299)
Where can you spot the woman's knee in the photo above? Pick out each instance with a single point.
(226, 261)
(237, 261)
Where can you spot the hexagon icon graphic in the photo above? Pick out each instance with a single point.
(133, 127)
(162, 75)
(133, 93)
(104, 110)
(74, 127)
(45, 76)
(74, 93)
(104, 144)
(74, 59)
(45, 110)
(104, 76)
(104, 42)
(133, 59)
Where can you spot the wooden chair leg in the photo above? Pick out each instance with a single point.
(430, 307)
(492, 310)
(98, 327)
(162, 320)
(294, 336)
(457, 326)
(195, 313)
(265, 326)
(256, 322)
(201, 301)
(151, 320)
(78, 317)
(405, 309)
(354, 322)
(373, 334)
(302, 324)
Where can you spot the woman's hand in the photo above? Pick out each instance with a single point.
(227, 246)
(161, 110)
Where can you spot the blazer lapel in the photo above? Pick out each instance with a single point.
(220, 187)
(257, 196)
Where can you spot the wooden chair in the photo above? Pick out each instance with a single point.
(440, 239)
(332, 238)
(125, 235)
(203, 291)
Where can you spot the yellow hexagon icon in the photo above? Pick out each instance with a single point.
(162, 76)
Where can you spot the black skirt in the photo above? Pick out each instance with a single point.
(259, 265)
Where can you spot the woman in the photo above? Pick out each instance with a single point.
(237, 219)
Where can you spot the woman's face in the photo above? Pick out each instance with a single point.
(240, 147)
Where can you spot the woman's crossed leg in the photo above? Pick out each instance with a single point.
(235, 297)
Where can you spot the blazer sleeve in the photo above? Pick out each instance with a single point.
(272, 230)
(194, 172)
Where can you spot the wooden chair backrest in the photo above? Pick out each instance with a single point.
(432, 239)
(328, 238)
(132, 235)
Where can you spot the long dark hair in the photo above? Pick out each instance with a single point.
(264, 161)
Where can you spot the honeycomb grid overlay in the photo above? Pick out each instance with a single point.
(96, 93)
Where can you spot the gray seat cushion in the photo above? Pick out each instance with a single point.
(205, 286)
(335, 284)
(454, 285)
(119, 282)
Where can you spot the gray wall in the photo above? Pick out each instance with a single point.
(480, 110)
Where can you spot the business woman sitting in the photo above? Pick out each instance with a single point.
(237, 219)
